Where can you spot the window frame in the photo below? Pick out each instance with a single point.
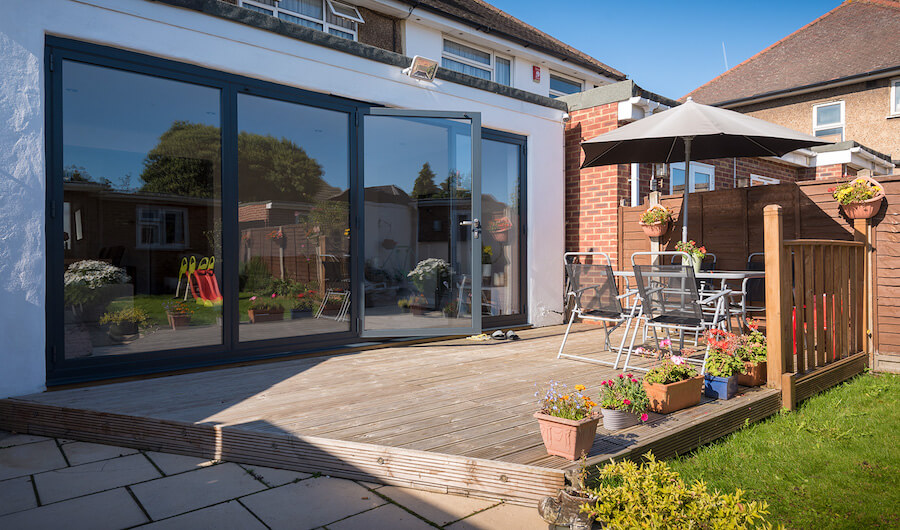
(492, 68)
(816, 127)
(163, 210)
(327, 27)
(895, 89)
(564, 77)
(694, 167)
(763, 180)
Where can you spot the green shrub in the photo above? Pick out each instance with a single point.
(131, 314)
(255, 275)
(651, 495)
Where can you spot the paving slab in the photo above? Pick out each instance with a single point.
(275, 477)
(16, 494)
(30, 458)
(226, 516)
(9, 439)
(171, 464)
(387, 516)
(108, 510)
(184, 492)
(311, 503)
(76, 481)
(502, 516)
(84, 452)
(438, 508)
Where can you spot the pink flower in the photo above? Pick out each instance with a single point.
(677, 360)
(621, 376)
(626, 401)
(665, 343)
(273, 295)
(634, 380)
(252, 298)
(644, 417)
(629, 376)
(603, 383)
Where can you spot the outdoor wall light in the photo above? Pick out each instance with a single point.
(422, 69)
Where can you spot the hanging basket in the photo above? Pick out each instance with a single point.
(657, 229)
(868, 208)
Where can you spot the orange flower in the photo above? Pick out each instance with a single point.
(579, 387)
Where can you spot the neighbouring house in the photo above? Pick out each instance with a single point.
(838, 77)
(216, 157)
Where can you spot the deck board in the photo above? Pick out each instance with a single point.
(456, 413)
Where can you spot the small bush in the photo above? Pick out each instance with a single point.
(255, 275)
(133, 314)
(651, 495)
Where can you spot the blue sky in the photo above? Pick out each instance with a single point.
(666, 46)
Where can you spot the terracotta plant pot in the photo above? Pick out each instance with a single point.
(753, 375)
(569, 439)
(657, 229)
(179, 321)
(720, 387)
(616, 420)
(674, 396)
(865, 209)
(418, 309)
(267, 315)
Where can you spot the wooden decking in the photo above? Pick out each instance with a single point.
(453, 415)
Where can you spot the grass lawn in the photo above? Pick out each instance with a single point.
(154, 305)
(834, 463)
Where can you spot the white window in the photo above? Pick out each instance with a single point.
(759, 180)
(477, 62)
(895, 97)
(702, 177)
(561, 85)
(828, 120)
(330, 16)
(165, 228)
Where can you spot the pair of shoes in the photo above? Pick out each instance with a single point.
(509, 335)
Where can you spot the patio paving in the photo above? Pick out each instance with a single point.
(53, 483)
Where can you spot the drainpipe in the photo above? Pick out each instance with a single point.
(734, 173)
(635, 184)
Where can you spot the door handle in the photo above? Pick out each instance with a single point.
(476, 227)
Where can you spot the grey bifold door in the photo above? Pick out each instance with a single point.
(420, 272)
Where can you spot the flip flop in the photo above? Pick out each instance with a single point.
(511, 335)
(499, 335)
(481, 337)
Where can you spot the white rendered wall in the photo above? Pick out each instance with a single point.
(189, 36)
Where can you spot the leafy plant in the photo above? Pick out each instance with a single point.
(672, 370)
(722, 361)
(856, 190)
(255, 275)
(624, 393)
(178, 308)
(651, 495)
(752, 348)
(558, 401)
(305, 301)
(656, 214)
(691, 248)
(266, 303)
(429, 268)
(450, 310)
(134, 315)
(487, 255)
(84, 280)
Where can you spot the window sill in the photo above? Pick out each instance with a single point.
(893, 116)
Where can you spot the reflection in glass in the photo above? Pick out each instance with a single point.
(418, 188)
(293, 214)
(142, 227)
(501, 245)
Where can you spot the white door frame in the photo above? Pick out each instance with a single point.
(695, 168)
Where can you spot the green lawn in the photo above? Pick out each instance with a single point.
(154, 305)
(834, 463)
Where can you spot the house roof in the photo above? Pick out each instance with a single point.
(856, 38)
(487, 18)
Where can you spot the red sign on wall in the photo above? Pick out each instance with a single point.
(536, 74)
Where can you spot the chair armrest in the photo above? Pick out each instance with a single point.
(713, 298)
(626, 294)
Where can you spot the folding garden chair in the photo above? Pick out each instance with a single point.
(593, 289)
(672, 302)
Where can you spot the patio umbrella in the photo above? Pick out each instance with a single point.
(692, 129)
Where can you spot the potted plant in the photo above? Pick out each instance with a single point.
(403, 304)
(695, 252)
(655, 221)
(450, 310)
(125, 322)
(722, 366)
(302, 305)
(566, 420)
(179, 314)
(418, 305)
(431, 275)
(753, 353)
(860, 198)
(623, 402)
(487, 255)
(90, 285)
(499, 228)
(673, 385)
(265, 309)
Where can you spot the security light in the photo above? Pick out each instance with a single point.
(422, 68)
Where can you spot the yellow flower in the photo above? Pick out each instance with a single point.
(579, 387)
(565, 398)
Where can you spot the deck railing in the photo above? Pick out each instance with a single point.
(816, 293)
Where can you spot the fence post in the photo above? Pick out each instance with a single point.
(861, 233)
(778, 303)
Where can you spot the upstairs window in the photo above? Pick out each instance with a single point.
(561, 85)
(828, 121)
(895, 97)
(330, 16)
(162, 227)
(476, 62)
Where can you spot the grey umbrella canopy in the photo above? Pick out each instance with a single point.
(693, 130)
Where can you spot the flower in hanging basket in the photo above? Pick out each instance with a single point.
(276, 235)
(656, 214)
(860, 198)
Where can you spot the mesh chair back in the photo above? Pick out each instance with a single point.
(596, 292)
(669, 293)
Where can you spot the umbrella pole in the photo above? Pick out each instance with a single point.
(687, 185)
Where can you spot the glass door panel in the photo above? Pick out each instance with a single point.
(421, 244)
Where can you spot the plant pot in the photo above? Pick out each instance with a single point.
(569, 439)
(178, 321)
(265, 315)
(122, 331)
(485, 270)
(865, 209)
(720, 387)
(697, 263)
(674, 396)
(418, 309)
(753, 375)
(657, 229)
(616, 420)
(300, 313)
(500, 236)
